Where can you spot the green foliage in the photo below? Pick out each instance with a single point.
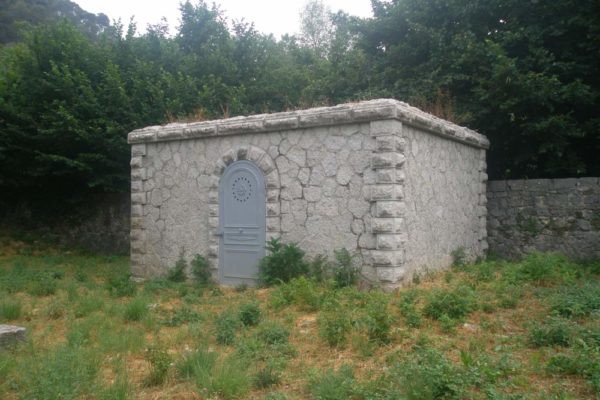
(319, 268)
(135, 310)
(427, 374)
(332, 385)
(201, 270)
(249, 314)
(576, 301)
(303, 292)
(177, 273)
(345, 273)
(580, 361)
(553, 331)
(10, 309)
(43, 284)
(121, 285)
(378, 320)
(86, 305)
(55, 309)
(195, 362)
(64, 372)
(68, 98)
(459, 257)
(226, 325)
(545, 267)
(269, 375)
(455, 303)
(284, 262)
(334, 326)
(160, 362)
(227, 378)
(183, 315)
(408, 309)
(272, 333)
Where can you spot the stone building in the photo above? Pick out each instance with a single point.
(398, 187)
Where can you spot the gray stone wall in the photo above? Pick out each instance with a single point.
(445, 200)
(100, 223)
(335, 178)
(545, 215)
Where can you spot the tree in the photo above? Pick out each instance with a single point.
(316, 27)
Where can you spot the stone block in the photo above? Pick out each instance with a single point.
(329, 117)
(272, 195)
(385, 127)
(387, 209)
(289, 122)
(170, 134)
(136, 162)
(137, 186)
(386, 192)
(496, 186)
(390, 241)
(138, 174)
(138, 150)
(241, 124)
(272, 209)
(390, 275)
(387, 160)
(138, 198)
(137, 223)
(273, 224)
(389, 175)
(368, 112)
(202, 129)
(11, 334)
(137, 210)
(386, 225)
(386, 258)
(386, 143)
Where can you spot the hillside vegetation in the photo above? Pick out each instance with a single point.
(522, 72)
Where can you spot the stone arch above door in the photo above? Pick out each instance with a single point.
(266, 165)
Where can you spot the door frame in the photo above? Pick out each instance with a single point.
(262, 186)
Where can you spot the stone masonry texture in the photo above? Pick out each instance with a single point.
(545, 215)
(398, 187)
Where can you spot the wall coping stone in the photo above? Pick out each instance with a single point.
(350, 113)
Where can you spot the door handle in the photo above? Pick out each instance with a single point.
(220, 234)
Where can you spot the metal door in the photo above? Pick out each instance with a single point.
(242, 219)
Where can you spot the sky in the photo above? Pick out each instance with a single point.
(269, 16)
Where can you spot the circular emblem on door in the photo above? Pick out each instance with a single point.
(241, 189)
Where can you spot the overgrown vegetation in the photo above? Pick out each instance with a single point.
(514, 70)
(451, 336)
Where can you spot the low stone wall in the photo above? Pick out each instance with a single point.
(545, 215)
(100, 224)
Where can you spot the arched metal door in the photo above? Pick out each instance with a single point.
(242, 220)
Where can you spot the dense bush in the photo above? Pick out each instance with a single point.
(454, 303)
(345, 272)
(201, 270)
(226, 326)
(576, 301)
(177, 273)
(284, 262)
(334, 326)
(249, 314)
(553, 331)
(332, 385)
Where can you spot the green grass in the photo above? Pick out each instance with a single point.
(492, 330)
